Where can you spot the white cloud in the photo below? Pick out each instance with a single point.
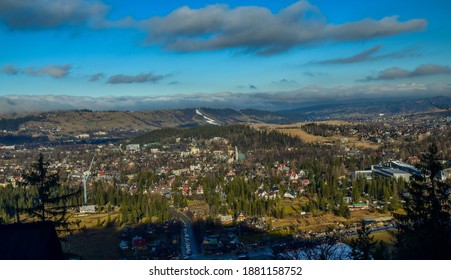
(370, 55)
(302, 97)
(398, 73)
(54, 71)
(257, 29)
(96, 77)
(131, 79)
(44, 14)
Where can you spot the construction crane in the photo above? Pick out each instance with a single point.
(86, 175)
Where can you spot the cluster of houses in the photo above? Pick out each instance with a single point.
(151, 241)
(256, 223)
(221, 243)
(179, 166)
(397, 126)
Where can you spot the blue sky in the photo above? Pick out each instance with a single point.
(303, 50)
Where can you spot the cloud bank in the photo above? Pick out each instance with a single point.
(369, 55)
(45, 14)
(132, 79)
(54, 71)
(258, 30)
(96, 77)
(272, 101)
(363, 56)
(253, 29)
(398, 73)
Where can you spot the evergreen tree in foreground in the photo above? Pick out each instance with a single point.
(363, 247)
(424, 231)
(51, 200)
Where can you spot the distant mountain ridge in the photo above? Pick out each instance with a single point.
(87, 120)
(21, 105)
(367, 108)
(81, 121)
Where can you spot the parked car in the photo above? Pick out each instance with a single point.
(123, 245)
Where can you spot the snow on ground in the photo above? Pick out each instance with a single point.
(207, 119)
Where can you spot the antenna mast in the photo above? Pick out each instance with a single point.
(86, 175)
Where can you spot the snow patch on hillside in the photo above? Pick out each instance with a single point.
(207, 119)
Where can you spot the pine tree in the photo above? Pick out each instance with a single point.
(119, 219)
(381, 251)
(363, 246)
(424, 231)
(394, 201)
(51, 201)
(108, 221)
(344, 211)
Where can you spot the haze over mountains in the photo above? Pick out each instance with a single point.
(141, 112)
(23, 104)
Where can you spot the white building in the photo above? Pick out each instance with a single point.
(133, 147)
(88, 209)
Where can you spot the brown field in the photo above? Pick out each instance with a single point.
(386, 236)
(295, 125)
(90, 221)
(92, 242)
(321, 221)
(307, 137)
(308, 222)
(316, 222)
(95, 244)
(296, 130)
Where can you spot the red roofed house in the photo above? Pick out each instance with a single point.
(139, 243)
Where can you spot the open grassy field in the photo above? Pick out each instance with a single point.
(92, 241)
(294, 125)
(90, 220)
(95, 244)
(320, 222)
(307, 137)
(296, 130)
(386, 236)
